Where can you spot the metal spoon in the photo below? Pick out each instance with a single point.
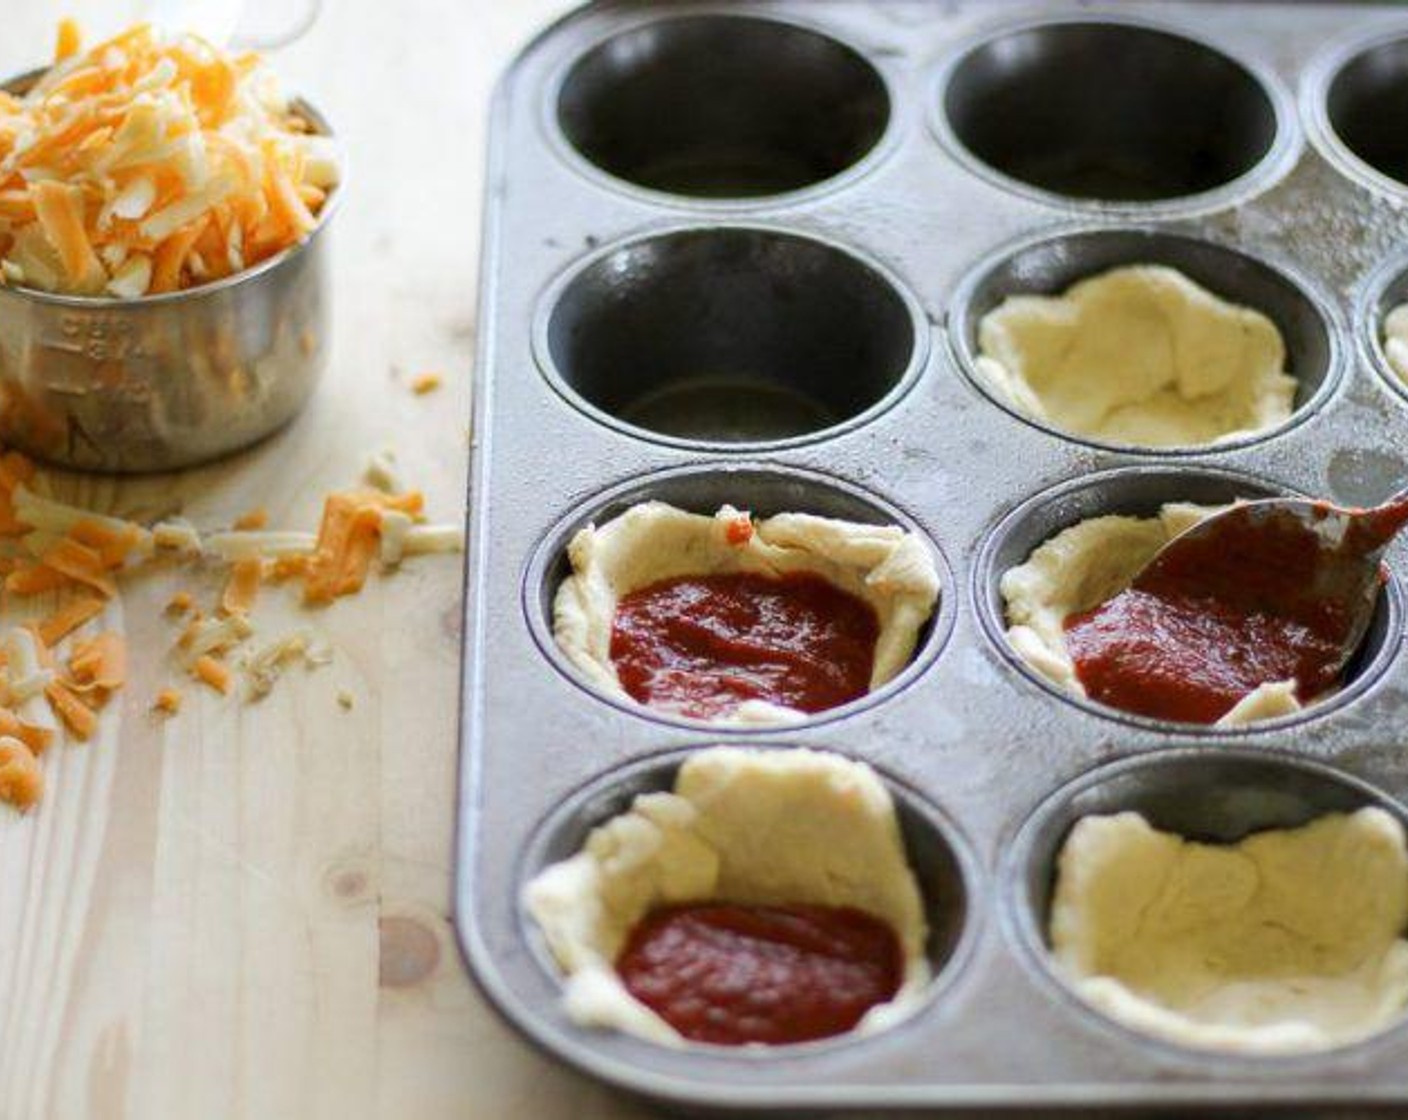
(1302, 558)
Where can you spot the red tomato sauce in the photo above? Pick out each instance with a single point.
(1208, 624)
(732, 974)
(702, 645)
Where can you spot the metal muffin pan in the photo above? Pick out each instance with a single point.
(596, 280)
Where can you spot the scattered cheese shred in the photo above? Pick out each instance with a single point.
(238, 545)
(252, 519)
(99, 662)
(381, 471)
(37, 739)
(243, 585)
(78, 717)
(348, 540)
(214, 673)
(34, 579)
(426, 383)
(177, 535)
(67, 619)
(266, 665)
(48, 545)
(81, 564)
(69, 41)
(151, 163)
(215, 635)
(21, 780)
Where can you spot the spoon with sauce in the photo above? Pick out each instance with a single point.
(1264, 591)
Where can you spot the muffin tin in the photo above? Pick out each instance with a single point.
(737, 253)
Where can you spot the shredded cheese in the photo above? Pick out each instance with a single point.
(48, 545)
(237, 545)
(214, 673)
(21, 780)
(243, 585)
(150, 164)
(381, 471)
(215, 635)
(264, 667)
(176, 535)
(67, 619)
(252, 519)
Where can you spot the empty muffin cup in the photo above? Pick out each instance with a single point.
(739, 827)
(1108, 111)
(719, 107)
(1050, 264)
(1359, 97)
(1266, 929)
(730, 337)
(1139, 492)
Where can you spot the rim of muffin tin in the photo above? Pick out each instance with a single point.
(1026, 931)
(1370, 311)
(1275, 163)
(610, 792)
(920, 354)
(600, 506)
(1316, 79)
(570, 156)
(991, 613)
(965, 352)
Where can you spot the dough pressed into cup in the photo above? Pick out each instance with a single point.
(1396, 340)
(760, 827)
(1087, 564)
(1290, 941)
(887, 567)
(1139, 355)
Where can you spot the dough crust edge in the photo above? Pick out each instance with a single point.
(888, 567)
(769, 826)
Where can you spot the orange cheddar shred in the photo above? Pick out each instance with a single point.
(347, 541)
(67, 619)
(21, 780)
(242, 587)
(99, 662)
(252, 519)
(81, 564)
(78, 717)
(37, 739)
(214, 673)
(69, 40)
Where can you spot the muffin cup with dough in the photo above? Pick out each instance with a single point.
(1088, 564)
(885, 566)
(1139, 355)
(1229, 900)
(1395, 341)
(1287, 941)
(754, 827)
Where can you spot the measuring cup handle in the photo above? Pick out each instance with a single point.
(295, 30)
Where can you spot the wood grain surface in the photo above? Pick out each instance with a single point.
(243, 911)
